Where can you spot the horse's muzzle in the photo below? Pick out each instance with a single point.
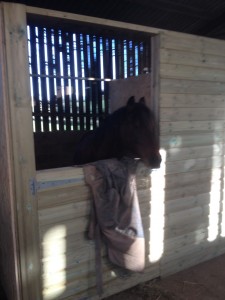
(155, 161)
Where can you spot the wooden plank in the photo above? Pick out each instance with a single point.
(69, 194)
(72, 71)
(183, 203)
(35, 80)
(194, 164)
(77, 261)
(190, 239)
(186, 217)
(77, 247)
(60, 174)
(192, 43)
(22, 142)
(112, 284)
(121, 90)
(178, 71)
(182, 153)
(59, 196)
(176, 231)
(9, 258)
(60, 213)
(207, 176)
(66, 230)
(155, 77)
(43, 84)
(75, 226)
(86, 47)
(191, 126)
(59, 80)
(66, 66)
(182, 140)
(73, 210)
(51, 68)
(192, 100)
(189, 190)
(190, 114)
(90, 20)
(70, 226)
(178, 86)
(195, 256)
(187, 58)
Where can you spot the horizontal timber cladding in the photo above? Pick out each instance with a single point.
(63, 212)
(8, 248)
(53, 206)
(192, 120)
(191, 116)
(192, 100)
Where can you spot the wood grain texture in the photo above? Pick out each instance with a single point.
(189, 83)
(9, 273)
(22, 146)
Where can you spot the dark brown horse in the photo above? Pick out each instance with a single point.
(128, 132)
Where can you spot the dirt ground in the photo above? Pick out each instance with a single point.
(205, 281)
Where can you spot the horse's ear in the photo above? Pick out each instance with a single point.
(131, 101)
(142, 100)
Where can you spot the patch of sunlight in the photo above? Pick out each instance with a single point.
(54, 263)
(223, 207)
(214, 205)
(157, 219)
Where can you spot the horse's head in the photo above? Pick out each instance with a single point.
(139, 133)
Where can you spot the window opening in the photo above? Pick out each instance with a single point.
(70, 74)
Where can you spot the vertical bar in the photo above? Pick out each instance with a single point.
(86, 44)
(93, 82)
(98, 83)
(51, 68)
(136, 59)
(141, 58)
(125, 58)
(34, 67)
(79, 67)
(59, 103)
(70, 68)
(129, 58)
(113, 58)
(119, 59)
(43, 86)
(73, 96)
(66, 69)
(108, 71)
(132, 58)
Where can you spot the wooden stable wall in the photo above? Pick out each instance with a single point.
(64, 210)
(192, 116)
(8, 243)
(46, 212)
(21, 222)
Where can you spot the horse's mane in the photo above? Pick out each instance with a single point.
(113, 122)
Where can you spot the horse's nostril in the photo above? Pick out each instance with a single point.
(155, 161)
